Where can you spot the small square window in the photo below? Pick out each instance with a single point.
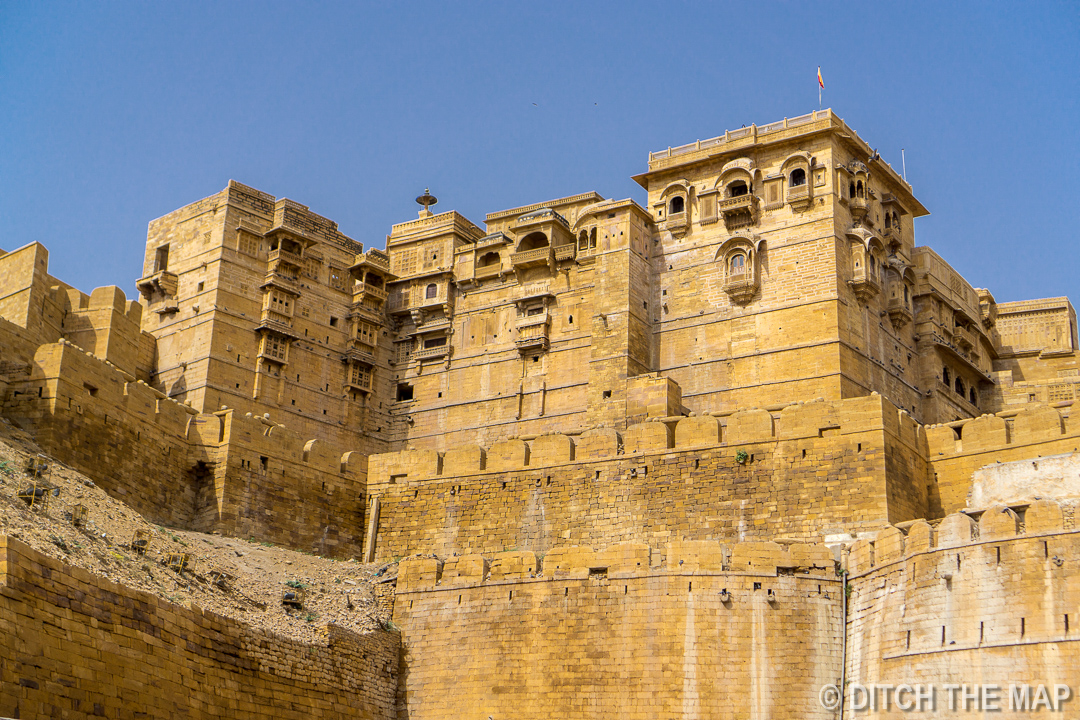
(333, 322)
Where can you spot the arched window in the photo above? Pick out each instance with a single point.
(851, 190)
(872, 265)
(973, 398)
(676, 205)
(432, 292)
(888, 220)
(798, 177)
(592, 239)
(960, 387)
(907, 299)
(533, 241)
(738, 189)
(583, 240)
(859, 188)
(945, 375)
(738, 264)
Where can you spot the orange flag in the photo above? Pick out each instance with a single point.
(820, 82)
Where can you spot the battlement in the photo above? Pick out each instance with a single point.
(748, 474)
(218, 471)
(720, 430)
(957, 450)
(624, 560)
(992, 589)
(966, 530)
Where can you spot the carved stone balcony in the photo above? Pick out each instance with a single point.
(488, 271)
(738, 211)
(365, 311)
(891, 236)
(163, 305)
(432, 352)
(358, 351)
(675, 222)
(798, 196)
(286, 281)
(964, 339)
(858, 207)
(281, 255)
(866, 288)
(741, 288)
(358, 375)
(532, 258)
(363, 290)
(565, 252)
(163, 282)
(899, 312)
(277, 323)
(373, 259)
(532, 333)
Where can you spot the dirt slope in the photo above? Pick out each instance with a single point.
(258, 573)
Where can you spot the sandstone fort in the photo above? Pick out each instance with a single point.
(696, 458)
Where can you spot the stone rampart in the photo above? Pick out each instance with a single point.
(243, 476)
(797, 472)
(75, 645)
(980, 599)
(957, 450)
(701, 630)
(271, 484)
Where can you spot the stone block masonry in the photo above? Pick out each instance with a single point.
(243, 476)
(818, 468)
(74, 645)
(989, 598)
(586, 634)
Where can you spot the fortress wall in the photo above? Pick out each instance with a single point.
(75, 645)
(123, 434)
(812, 469)
(589, 634)
(968, 602)
(956, 453)
(183, 469)
(275, 486)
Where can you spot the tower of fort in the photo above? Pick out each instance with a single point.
(693, 458)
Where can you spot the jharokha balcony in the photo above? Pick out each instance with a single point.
(363, 290)
(277, 323)
(738, 211)
(899, 312)
(532, 332)
(532, 258)
(866, 287)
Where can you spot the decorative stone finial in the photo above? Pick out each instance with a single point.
(427, 199)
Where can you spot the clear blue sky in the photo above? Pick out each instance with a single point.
(112, 114)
